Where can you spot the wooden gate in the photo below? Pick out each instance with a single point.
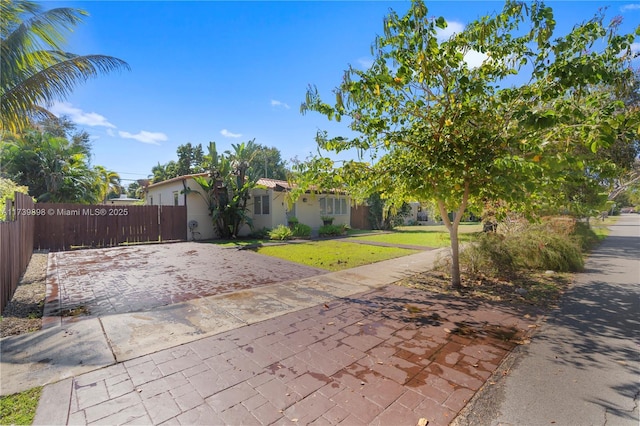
(66, 226)
(360, 217)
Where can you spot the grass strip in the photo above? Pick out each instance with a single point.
(19, 408)
(333, 255)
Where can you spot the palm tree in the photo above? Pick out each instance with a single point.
(108, 181)
(52, 168)
(35, 69)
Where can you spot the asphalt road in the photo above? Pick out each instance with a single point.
(582, 367)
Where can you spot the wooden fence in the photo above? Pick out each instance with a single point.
(66, 226)
(360, 217)
(16, 244)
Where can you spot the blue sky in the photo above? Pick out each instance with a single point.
(234, 71)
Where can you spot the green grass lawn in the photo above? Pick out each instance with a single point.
(19, 408)
(333, 255)
(425, 236)
(600, 227)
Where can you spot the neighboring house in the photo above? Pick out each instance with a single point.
(268, 206)
(123, 200)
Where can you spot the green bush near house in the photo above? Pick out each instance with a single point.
(300, 230)
(332, 230)
(260, 234)
(281, 233)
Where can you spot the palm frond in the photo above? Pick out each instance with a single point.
(55, 82)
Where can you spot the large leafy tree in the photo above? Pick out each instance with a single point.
(442, 130)
(268, 162)
(53, 168)
(190, 159)
(35, 69)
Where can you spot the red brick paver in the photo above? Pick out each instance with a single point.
(144, 277)
(386, 357)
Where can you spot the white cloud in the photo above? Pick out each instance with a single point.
(111, 133)
(628, 7)
(474, 58)
(279, 104)
(143, 136)
(635, 47)
(78, 116)
(228, 134)
(453, 27)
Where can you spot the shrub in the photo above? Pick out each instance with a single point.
(490, 255)
(301, 230)
(260, 234)
(537, 247)
(281, 233)
(584, 236)
(331, 230)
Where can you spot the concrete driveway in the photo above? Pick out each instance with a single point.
(96, 283)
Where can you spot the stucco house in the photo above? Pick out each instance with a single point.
(268, 206)
(122, 200)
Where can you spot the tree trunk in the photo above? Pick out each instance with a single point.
(452, 227)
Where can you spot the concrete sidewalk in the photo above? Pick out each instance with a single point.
(583, 365)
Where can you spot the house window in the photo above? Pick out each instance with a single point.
(261, 204)
(333, 206)
(292, 212)
(175, 198)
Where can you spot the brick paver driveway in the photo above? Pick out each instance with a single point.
(130, 279)
(390, 356)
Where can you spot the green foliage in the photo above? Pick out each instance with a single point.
(443, 130)
(192, 160)
(260, 234)
(8, 188)
(281, 233)
(228, 188)
(55, 169)
(488, 255)
(296, 230)
(383, 214)
(333, 255)
(35, 69)
(20, 408)
(332, 230)
(300, 230)
(585, 236)
(533, 247)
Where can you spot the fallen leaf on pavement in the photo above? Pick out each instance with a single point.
(423, 422)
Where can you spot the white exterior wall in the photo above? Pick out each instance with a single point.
(308, 212)
(413, 216)
(307, 208)
(196, 207)
(277, 209)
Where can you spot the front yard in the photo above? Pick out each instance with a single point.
(333, 255)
